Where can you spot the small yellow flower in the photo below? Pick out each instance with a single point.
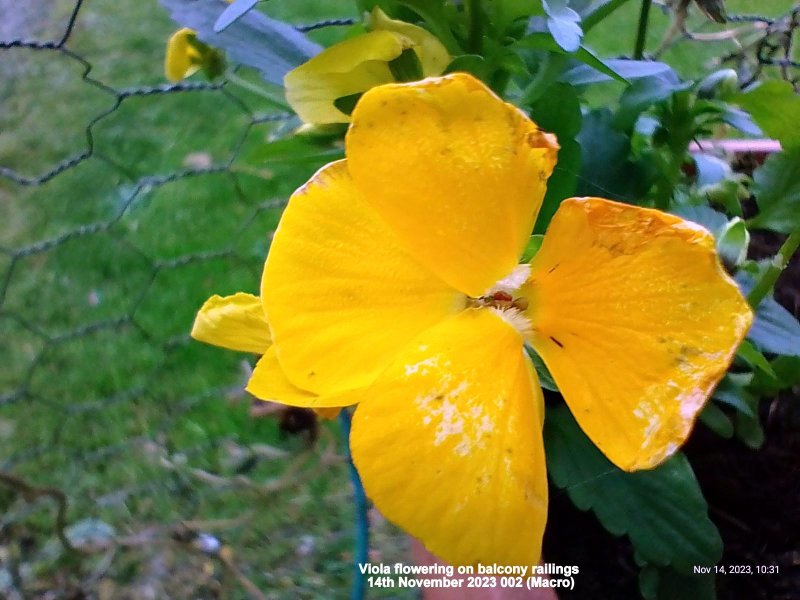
(393, 283)
(186, 55)
(182, 59)
(355, 65)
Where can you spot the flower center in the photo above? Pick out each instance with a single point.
(508, 299)
(500, 299)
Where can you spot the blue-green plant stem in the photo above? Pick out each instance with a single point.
(641, 33)
(549, 69)
(258, 90)
(360, 557)
(766, 281)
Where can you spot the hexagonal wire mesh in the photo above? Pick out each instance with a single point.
(122, 207)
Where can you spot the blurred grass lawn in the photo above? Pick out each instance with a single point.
(105, 408)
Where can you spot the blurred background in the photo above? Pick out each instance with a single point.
(124, 203)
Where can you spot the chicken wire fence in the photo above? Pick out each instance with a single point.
(131, 462)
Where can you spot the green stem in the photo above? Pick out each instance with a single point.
(258, 90)
(475, 16)
(548, 70)
(641, 33)
(361, 555)
(766, 281)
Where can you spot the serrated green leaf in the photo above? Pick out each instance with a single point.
(662, 511)
(776, 187)
(775, 107)
(255, 40)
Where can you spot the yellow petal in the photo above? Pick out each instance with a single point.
(269, 382)
(449, 446)
(235, 322)
(349, 67)
(636, 320)
(342, 295)
(433, 56)
(182, 59)
(458, 173)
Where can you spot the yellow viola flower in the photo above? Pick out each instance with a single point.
(393, 283)
(353, 66)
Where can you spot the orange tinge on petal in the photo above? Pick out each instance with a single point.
(637, 321)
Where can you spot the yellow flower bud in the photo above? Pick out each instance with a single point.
(350, 68)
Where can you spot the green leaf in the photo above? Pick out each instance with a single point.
(710, 169)
(667, 584)
(717, 421)
(719, 84)
(775, 106)
(347, 104)
(776, 187)
(733, 241)
(751, 355)
(662, 511)
(787, 374)
(740, 120)
(469, 63)
(559, 112)
(306, 150)
(232, 13)
(774, 329)
(732, 392)
(539, 40)
(606, 169)
(255, 40)
(407, 66)
(704, 215)
(641, 95)
(545, 378)
(563, 23)
(749, 430)
(534, 243)
(625, 69)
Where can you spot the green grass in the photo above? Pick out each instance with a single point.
(119, 415)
